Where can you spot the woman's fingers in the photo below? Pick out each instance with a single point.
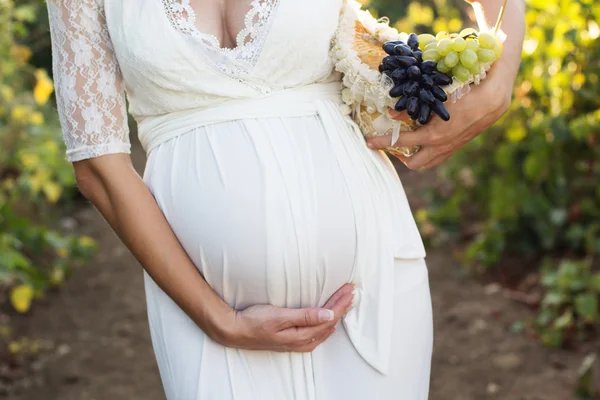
(311, 345)
(348, 287)
(297, 325)
(314, 316)
(400, 116)
(305, 317)
(298, 336)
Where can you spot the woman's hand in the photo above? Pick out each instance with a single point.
(266, 327)
(479, 109)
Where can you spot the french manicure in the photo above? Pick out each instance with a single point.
(326, 315)
(355, 297)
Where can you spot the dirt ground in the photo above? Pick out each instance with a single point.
(97, 346)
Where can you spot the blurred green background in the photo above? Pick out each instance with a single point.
(522, 198)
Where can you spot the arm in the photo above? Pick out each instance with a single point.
(478, 110)
(91, 104)
(513, 26)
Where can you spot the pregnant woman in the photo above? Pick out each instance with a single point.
(263, 221)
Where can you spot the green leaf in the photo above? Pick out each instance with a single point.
(548, 279)
(572, 275)
(545, 317)
(25, 13)
(595, 282)
(13, 260)
(586, 305)
(586, 385)
(517, 326)
(553, 298)
(564, 321)
(552, 338)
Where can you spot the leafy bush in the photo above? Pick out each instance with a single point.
(33, 170)
(529, 186)
(570, 305)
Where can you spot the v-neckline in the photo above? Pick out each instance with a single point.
(235, 63)
(182, 17)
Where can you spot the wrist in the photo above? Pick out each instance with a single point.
(219, 322)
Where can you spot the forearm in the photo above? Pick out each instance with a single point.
(513, 26)
(120, 195)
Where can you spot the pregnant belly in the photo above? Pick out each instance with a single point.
(261, 208)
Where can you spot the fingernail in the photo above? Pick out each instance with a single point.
(370, 145)
(355, 297)
(325, 315)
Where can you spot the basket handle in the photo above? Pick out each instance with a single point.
(500, 16)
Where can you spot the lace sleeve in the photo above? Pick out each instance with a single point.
(89, 88)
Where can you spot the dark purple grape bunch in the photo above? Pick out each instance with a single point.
(417, 83)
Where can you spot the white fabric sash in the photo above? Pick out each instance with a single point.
(385, 228)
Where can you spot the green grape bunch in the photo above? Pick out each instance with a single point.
(461, 55)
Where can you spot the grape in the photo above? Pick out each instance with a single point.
(439, 108)
(393, 62)
(387, 63)
(439, 93)
(467, 32)
(425, 38)
(412, 41)
(388, 47)
(413, 72)
(473, 45)
(499, 42)
(442, 35)
(468, 58)
(427, 81)
(399, 75)
(424, 114)
(427, 67)
(476, 70)
(402, 50)
(441, 79)
(486, 40)
(401, 104)
(426, 96)
(418, 54)
(442, 67)
(431, 45)
(443, 46)
(459, 44)
(411, 88)
(461, 73)
(451, 59)
(431, 55)
(497, 51)
(398, 90)
(486, 55)
(412, 106)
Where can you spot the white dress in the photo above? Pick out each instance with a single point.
(266, 182)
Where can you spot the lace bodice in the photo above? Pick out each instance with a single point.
(155, 51)
(236, 62)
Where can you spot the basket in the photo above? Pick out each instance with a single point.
(357, 53)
